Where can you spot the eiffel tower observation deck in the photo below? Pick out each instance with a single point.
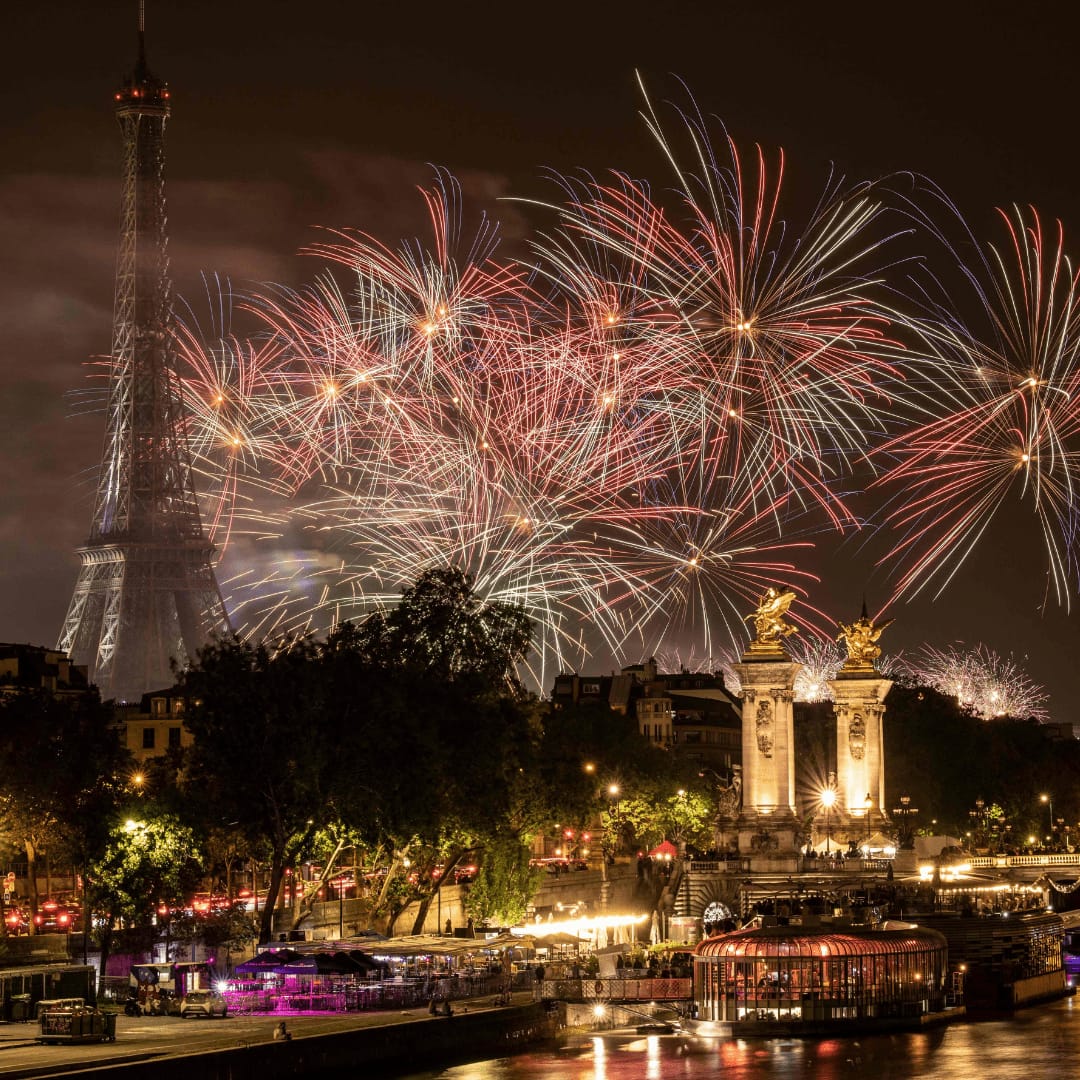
(146, 591)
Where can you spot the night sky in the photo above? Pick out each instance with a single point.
(288, 116)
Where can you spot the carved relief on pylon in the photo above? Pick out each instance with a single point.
(729, 796)
(857, 736)
(764, 727)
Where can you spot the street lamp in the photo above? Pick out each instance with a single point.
(905, 811)
(978, 817)
(868, 802)
(605, 883)
(1048, 800)
(613, 794)
(828, 799)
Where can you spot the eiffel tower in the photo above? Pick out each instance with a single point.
(146, 591)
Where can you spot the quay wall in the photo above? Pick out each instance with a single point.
(372, 1051)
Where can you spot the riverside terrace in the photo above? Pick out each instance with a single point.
(376, 974)
(370, 972)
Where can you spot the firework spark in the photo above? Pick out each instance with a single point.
(999, 417)
(629, 435)
(757, 343)
(821, 660)
(440, 412)
(982, 681)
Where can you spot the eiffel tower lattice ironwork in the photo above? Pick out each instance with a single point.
(146, 591)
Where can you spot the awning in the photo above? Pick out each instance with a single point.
(339, 963)
(426, 945)
(507, 940)
(291, 962)
(268, 961)
(560, 939)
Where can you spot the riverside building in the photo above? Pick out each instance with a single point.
(813, 974)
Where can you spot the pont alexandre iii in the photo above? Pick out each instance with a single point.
(770, 831)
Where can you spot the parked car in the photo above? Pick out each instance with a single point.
(17, 920)
(208, 1003)
(53, 917)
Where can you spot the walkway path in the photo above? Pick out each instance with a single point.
(142, 1038)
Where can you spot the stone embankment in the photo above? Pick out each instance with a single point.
(342, 1047)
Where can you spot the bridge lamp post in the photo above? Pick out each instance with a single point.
(828, 800)
(1048, 800)
(978, 819)
(605, 881)
(905, 811)
(613, 794)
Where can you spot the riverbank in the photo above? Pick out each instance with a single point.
(1033, 1043)
(243, 1048)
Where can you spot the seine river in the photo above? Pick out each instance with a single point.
(1035, 1044)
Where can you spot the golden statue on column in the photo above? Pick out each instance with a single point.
(861, 637)
(769, 625)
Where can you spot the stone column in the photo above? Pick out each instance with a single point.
(859, 702)
(768, 825)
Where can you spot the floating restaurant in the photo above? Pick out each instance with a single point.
(892, 974)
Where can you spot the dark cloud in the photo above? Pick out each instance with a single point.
(60, 232)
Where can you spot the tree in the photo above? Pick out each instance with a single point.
(424, 760)
(504, 883)
(261, 754)
(945, 759)
(151, 861)
(460, 730)
(64, 773)
(441, 627)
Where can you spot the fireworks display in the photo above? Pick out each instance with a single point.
(636, 430)
(981, 681)
(821, 660)
(995, 425)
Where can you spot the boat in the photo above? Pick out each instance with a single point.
(705, 1029)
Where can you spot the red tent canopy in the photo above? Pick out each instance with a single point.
(664, 850)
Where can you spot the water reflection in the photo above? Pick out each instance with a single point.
(1036, 1043)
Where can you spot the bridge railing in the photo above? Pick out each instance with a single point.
(734, 865)
(1005, 861)
(820, 866)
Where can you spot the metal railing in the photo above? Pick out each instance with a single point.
(822, 865)
(597, 989)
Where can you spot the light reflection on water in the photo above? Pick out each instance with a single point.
(1037, 1043)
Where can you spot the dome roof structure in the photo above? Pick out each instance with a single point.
(772, 942)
